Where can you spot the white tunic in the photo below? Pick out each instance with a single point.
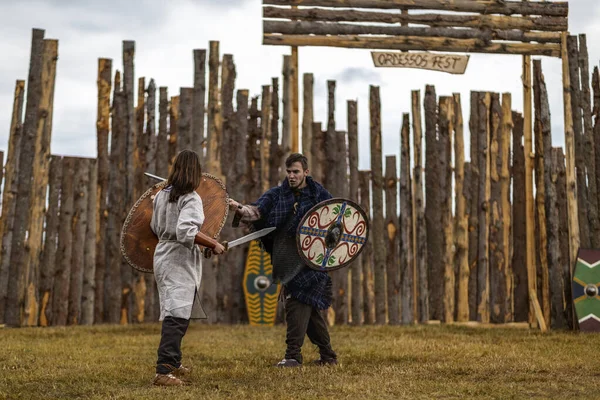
(177, 260)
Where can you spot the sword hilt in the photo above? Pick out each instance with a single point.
(208, 252)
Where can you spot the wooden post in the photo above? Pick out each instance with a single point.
(184, 119)
(446, 117)
(407, 264)
(151, 298)
(80, 202)
(578, 134)
(392, 262)
(419, 227)
(551, 171)
(529, 206)
(60, 298)
(542, 128)
(318, 164)
(132, 133)
(102, 134)
(288, 107)
(19, 268)
(173, 127)
(214, 120)
(377, 193)
(89, 266)
(596, 130)
(136, 290)
(307, 118)
(588, 148)
(198, 103)
(483, 277)
(519, 257)
(162, 140)
(570, 162)
(117, 209)
(130, 125)
(253, 154)
(228, 75)
(366, 257)
(10, 187)
(340, 278)
(461, 223)
(295, 99)
(505, 148)
(356, 295)
(330, 178)
(228, 154)
(474, 202)
(265, 140)
(500, 274)
(240, 192)
(150, 133)
(139, 151)
(563, 218)
(432, 208)
(48, 262)
(276, 163)
(40, 181)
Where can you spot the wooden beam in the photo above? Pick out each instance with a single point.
(524, 23)
(414, 43)
(558, 9)
(328, 28)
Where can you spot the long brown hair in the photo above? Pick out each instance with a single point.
(185, 176)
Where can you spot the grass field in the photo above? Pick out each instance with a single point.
(384, 362)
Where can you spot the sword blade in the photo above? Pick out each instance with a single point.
(251, 236)
(158, 178)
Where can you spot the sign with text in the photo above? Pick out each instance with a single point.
(450, 63)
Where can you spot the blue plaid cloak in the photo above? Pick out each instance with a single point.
(276, 205)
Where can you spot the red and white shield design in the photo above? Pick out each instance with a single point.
(332, 234)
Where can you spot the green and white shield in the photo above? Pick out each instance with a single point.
(586, 281)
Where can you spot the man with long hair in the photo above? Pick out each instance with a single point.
(306, 291)
(176, 219)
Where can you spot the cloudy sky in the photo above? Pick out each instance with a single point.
(166, 32)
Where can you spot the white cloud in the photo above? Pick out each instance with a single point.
(167, 32)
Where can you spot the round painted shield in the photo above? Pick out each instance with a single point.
(332, 234)
(137, 239)
(586, 282)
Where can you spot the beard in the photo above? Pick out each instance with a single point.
(297, 183)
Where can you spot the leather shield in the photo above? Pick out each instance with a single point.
(332, 234)
(137, 239)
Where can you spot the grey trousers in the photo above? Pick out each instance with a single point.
(303, 319)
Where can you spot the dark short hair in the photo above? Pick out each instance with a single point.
(186, 174)
(297, 157)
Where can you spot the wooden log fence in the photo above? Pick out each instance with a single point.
(430, 262)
